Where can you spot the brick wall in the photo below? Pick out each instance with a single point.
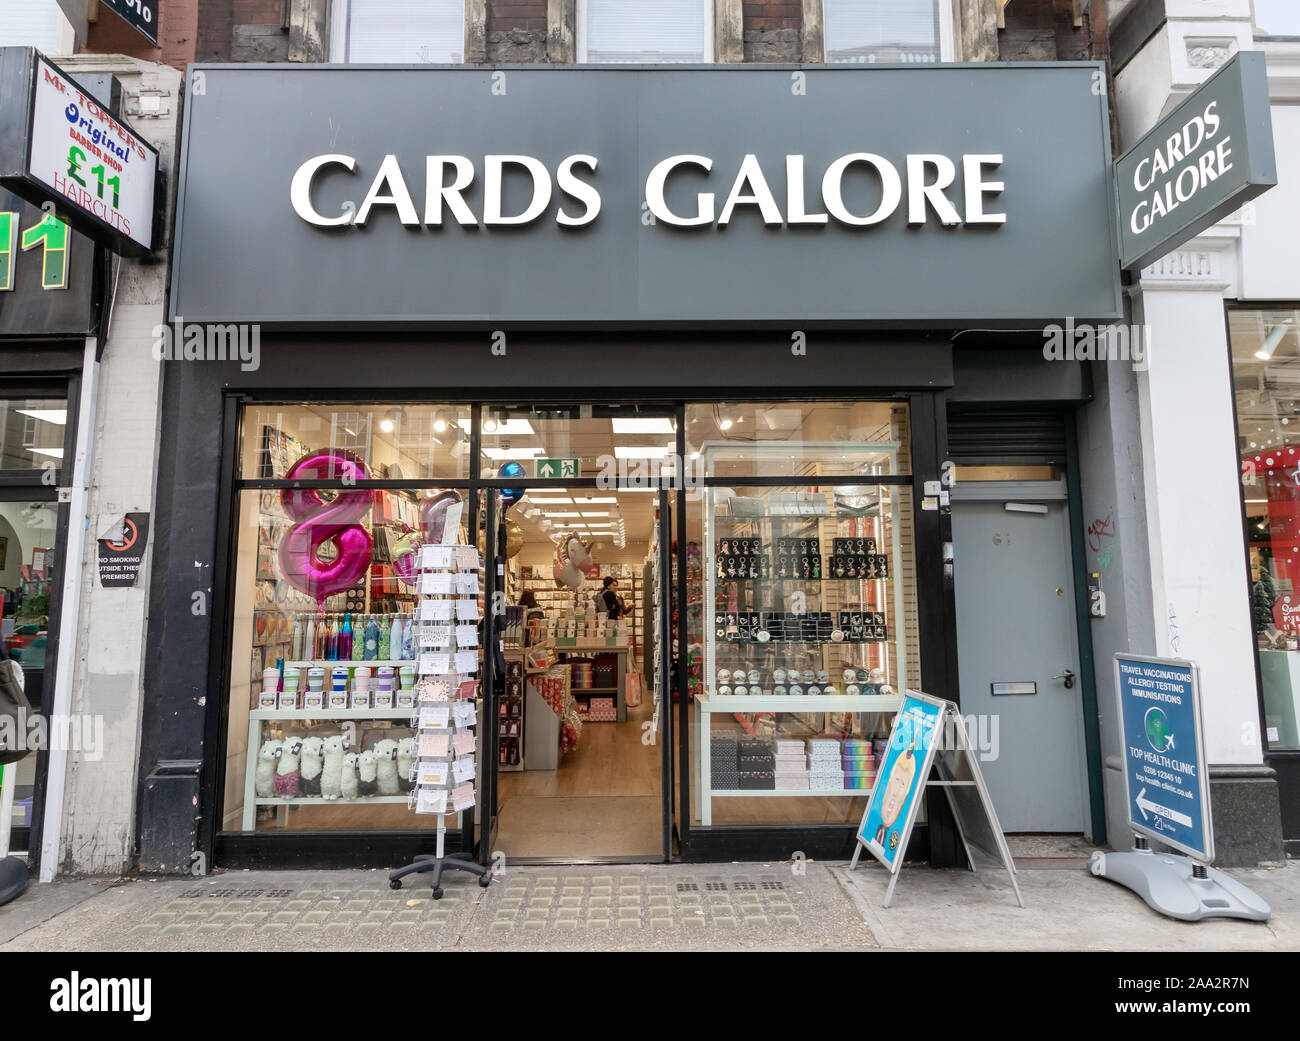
(1044, 30)
(771, 31)
(178, 30)
(516, 31)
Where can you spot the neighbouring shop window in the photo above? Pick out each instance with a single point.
(870, 31)
(402, 31)
(32, 433)
(28, 537)
(645, 31)
(323, 657)
(1266, 378)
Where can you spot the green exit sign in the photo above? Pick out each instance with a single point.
(559, 467)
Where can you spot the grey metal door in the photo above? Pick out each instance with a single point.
(1018, 657)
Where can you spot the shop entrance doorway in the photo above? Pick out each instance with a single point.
(577, 757)
(1017, 646)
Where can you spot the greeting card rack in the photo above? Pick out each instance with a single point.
(443, 771)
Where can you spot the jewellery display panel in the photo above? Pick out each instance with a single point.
(805, 631)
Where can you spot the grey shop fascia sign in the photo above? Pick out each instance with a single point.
(371, 196)
(1208, 157)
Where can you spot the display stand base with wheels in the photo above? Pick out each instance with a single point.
(1178, 886)
(437, 863)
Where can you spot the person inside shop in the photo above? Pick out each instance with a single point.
(528, 601)
(614, 604)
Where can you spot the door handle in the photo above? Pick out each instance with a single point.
(1067, 677)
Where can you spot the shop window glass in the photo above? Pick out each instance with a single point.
(1266, 378)
(645, 31)
(803, 631)
(31, 433)
(27, 541)
(404, 31)
(614, 445)
(360, 631)
(398, 441)
(809, 439)
(870, 31)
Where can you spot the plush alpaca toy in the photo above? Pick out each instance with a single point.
(348, 776)
(331, 777)
(386, 766)
(287, 773)
(405, 759)
(366, 773)
(266, 760)
(312, 749)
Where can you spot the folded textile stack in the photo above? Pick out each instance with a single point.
(824, 769)
(724, 759)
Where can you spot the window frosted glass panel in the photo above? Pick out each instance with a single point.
(646, 30)
(406, 31)
(882, 30)
(1277, 17)
(36, 23)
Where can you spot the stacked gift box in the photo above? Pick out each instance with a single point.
(824, 769)
(791, 764)
(757, 764)
(859, 764)
(601, 710)
(724, 759)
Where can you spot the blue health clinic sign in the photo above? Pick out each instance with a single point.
(1164, 763)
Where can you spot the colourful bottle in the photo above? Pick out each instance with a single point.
(345, 639)
(309, 640)
(299, 632)
(395, 639)
(408, 640)
(372, 639)
(359, 639)
(385, 638)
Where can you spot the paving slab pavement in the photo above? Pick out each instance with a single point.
(607, 907)
(1066, 908)
(637, 907)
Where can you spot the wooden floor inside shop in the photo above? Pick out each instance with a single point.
(603, 800)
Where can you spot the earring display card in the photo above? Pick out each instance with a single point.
(799, 558)
(742, 558)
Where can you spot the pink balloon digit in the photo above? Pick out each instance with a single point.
(321, 521)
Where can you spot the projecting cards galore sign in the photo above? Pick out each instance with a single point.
(633, 196)
(1210, 155)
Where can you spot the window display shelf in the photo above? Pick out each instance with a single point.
(330, 713)
(329, 663)
(708, 703)
(825, 793)
(317, 800)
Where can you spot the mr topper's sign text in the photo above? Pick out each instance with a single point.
(59, 144)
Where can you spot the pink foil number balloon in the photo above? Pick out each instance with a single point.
(322, 520)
